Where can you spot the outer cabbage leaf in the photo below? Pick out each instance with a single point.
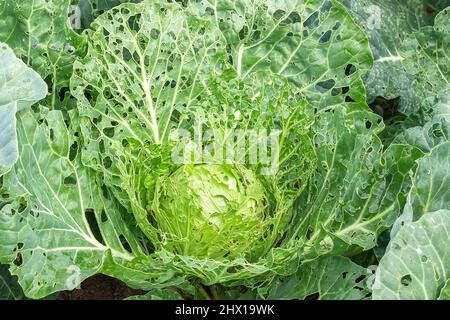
(429, 191)
(20, 87)
(433, 132)
(330, 278)
(38, 32)
(417, 264)
(357, 190)
(315, 44)
(420, 235)
(427, 58)
(388, 24)
(58, 226)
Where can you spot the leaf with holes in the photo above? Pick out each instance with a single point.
(39, 33)
(388, 24)
(417, 264)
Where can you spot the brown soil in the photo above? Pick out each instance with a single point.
(100, 287)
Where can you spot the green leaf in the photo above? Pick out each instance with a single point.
(387, 24)
(315, 44)
(20, 87)
(9, 288)
(429, 191)
(427, 57)
(60, 226)
(38, 32)
(417, 264)
(434, 131)
(358, 190)
(91, 9)
(330, 278)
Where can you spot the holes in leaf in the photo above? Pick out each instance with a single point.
(210, 11)
(133, 22)
(309, 233)
(62, 93)
(125, 243)
(336, 91)
(126, 54)
(70, 180)
(73, 151)
(154, 34)
(256, 35)
(109, 132)
(314, 296)
(337, 25)
(325, 37)
(437, 131)
(93, 225)
(293, 17)
(107, 162)
(103, 216)
(406, 280)
(105, 192)
(360, 278)
(326, 6)
(349, 99)
(18, 260)
(368, 124)
(326, 85)
(243, 33)
(312, 22)
(344, 274)
(345, 90)
(101, 146)
(277, 15)
(350, 69)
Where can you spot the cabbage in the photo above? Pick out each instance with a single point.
(211, 211)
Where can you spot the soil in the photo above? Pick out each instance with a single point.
(100, 287)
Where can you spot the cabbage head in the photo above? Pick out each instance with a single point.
(210, 211)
